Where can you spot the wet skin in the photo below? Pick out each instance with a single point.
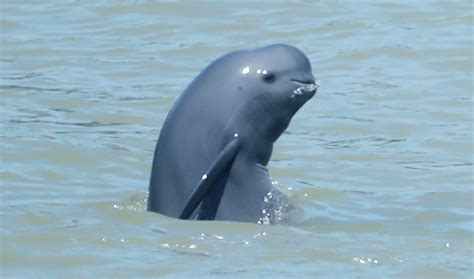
(211, 156)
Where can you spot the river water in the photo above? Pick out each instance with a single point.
(379, 164)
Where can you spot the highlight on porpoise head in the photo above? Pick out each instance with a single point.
(211, 155)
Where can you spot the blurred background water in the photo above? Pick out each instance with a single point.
(380, 162)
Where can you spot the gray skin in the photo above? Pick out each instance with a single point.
(223, 126)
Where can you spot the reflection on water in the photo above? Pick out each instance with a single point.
(378, 167)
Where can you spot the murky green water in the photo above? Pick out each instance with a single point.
(380, 163)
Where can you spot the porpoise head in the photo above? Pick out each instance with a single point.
(281, 82)
(285, 71)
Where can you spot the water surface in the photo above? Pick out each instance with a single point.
(380, 162)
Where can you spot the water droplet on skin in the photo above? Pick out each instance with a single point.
(264, 72)
(297, 91)
(259, 71)
(246, 70)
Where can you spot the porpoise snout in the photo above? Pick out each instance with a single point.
(305, 86)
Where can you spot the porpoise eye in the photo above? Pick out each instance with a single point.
(268, 77)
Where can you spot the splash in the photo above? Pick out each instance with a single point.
(137, 202)
(275, 210)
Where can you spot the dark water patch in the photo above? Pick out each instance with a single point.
(33, 113)
(29, 88)
(20, 76)
(117, 147)
(356, 119)
(362, 141)
(62, 110)
(7, 60)
(416, 168)
(92, 95)
(127, 130)
(464, 164)
(375, 84)
(91, 124)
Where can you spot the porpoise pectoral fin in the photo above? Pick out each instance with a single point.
(211, 187)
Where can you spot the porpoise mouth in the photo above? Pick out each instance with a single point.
(305, 87)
